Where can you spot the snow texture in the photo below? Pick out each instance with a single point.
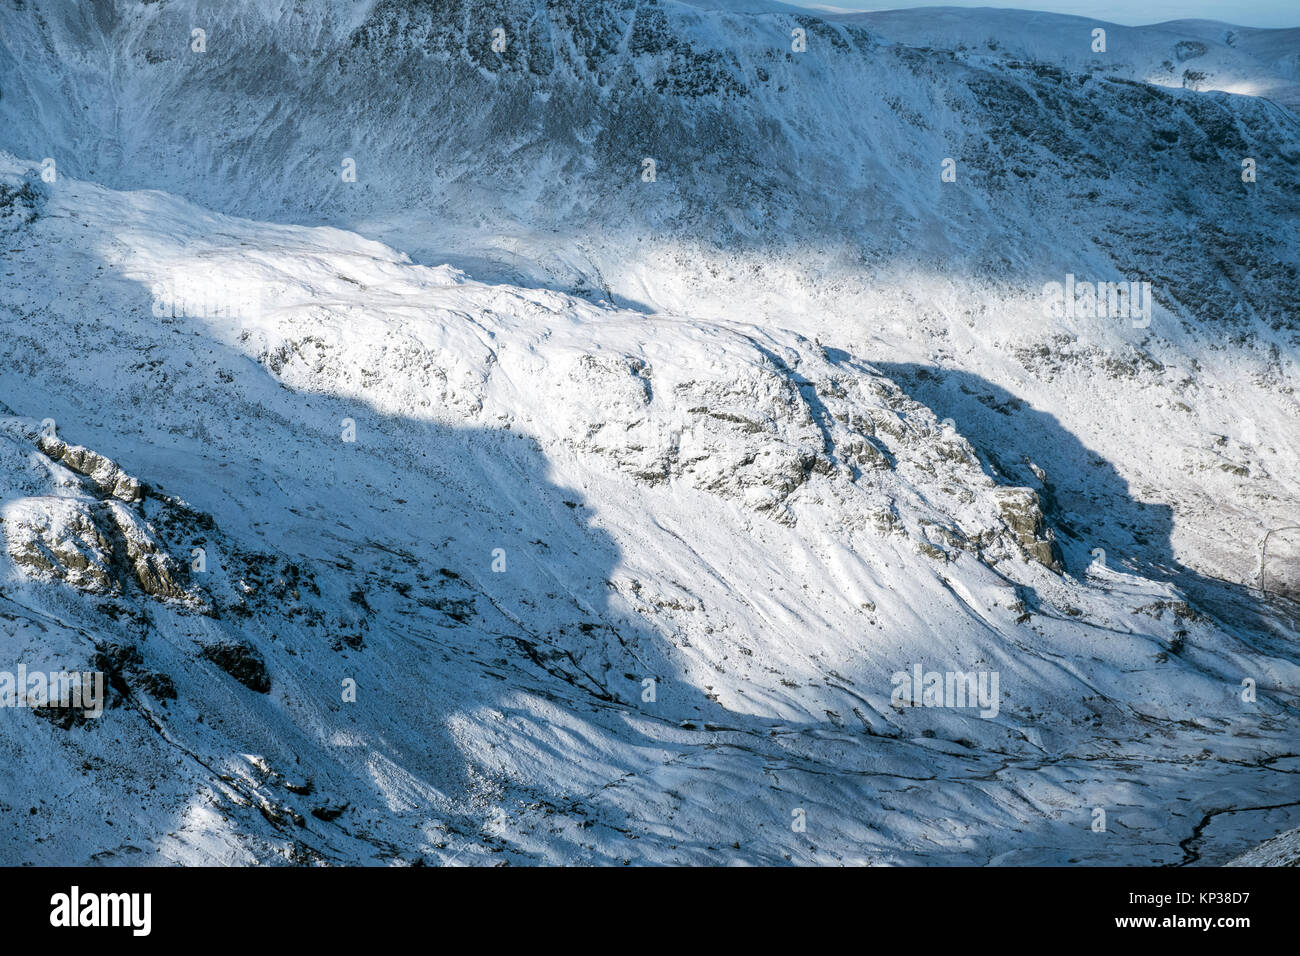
(509, 505)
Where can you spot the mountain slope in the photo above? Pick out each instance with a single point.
(802, 189)
(1189, 54)
(622, 499)
(767, 528)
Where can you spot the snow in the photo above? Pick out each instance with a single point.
(763, 469)
(1242, 60)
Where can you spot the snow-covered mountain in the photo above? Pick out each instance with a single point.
(1189, 54)
(519, 501)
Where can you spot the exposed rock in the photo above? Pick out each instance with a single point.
(241, 661)
(328, 812)
(156, 572)
(93, 546)
(103, 472)
(65, 718)
(60, 538)
(1023, 513)
(96, 539)
(20, 205)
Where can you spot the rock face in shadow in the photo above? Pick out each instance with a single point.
(242, 662)
(20, 206)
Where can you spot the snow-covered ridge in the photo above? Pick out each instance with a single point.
(1190, 54)
(766, 527)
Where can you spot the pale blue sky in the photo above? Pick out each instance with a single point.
(1245, 13)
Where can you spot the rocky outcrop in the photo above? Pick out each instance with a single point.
(60, 538)
(241, 661)
(20, 205)
(100, 547)
(103, 472)
(98, 540)
(156, 572)
(1023, 514)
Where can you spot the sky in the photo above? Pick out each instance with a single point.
(1245, 13)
